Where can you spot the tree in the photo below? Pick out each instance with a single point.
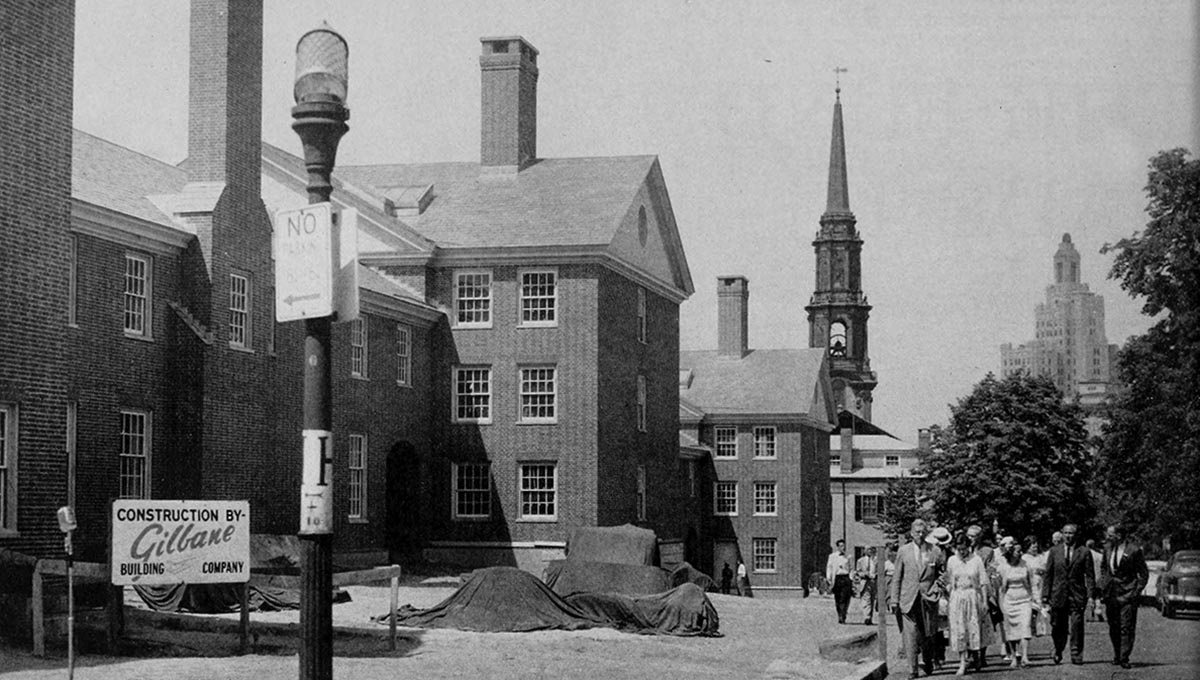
(903, 501)
(1014, 452)
(1148, 471)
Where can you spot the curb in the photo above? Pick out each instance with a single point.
(869, 670)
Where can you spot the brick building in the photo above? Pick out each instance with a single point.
(512, 375)
(863, 459)
(764, 416)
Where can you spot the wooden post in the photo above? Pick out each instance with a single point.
(881, 593)
(39, 612)
(244, 620)
(395, 604)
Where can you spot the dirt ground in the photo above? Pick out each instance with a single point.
(773, 635)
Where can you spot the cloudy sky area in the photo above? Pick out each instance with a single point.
(976, 134)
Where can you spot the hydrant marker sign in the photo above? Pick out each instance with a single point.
(158, 542)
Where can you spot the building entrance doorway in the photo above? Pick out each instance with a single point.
(724, 552)
(403, 485)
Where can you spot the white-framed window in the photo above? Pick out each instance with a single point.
(835, 460)
(356, 491)
(725, 498)
(725, 442)
(139, 286)
(73, 284)
(764, 442)
(135, 454)
(539, 394)
(867, 508)
(473, 299)
(403, 355)
(472, 394)
(891, 460)
(765, 498)
(641, 403)
(539, 297)
(539, 490)
(472, 491)
(641, 493)
(764, 552)
(8, 468)
(641, 314)
(239, 310)
(358, 347)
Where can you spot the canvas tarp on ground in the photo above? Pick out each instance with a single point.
(506, 599)
(274, 583)
(625, 544)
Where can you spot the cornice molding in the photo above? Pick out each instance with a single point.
(134, 232)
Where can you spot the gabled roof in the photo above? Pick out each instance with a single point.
(116, 178)
(872, 442)
(786, 382)
(551, 202)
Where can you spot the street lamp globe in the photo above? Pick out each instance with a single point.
(322, 66)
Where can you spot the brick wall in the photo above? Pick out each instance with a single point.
(800, 528)
(571, 347)
(35, 185)
(622, 449)
(108, 371)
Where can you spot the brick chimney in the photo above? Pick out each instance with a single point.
(224, 123)
(733, 294)
(508, 134)
(924, 440)
(847, 450)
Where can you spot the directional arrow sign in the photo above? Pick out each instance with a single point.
(304, 261)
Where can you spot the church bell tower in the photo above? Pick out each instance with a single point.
(838, 310)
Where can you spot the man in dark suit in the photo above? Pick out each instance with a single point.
(1123, 575)
(1069, 582)
(919, 565)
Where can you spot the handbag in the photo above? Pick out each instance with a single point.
(994, 612)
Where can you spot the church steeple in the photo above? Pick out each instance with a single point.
(838, 310)
(839, 191)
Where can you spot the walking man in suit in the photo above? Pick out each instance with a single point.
(919, 565)
(1123, 575)
(1068, 584)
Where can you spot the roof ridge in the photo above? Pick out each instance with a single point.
(109, 142)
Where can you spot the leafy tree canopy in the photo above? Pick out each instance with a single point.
(1014, 453)
(1148, 472)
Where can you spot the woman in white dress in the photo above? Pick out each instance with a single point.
(1016, 600)
(1035, 560)
(968, 585)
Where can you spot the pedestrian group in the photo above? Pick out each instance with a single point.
(960, 594)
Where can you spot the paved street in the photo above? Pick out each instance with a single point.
(1165, 649)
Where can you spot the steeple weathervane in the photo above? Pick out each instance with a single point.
(837, 73)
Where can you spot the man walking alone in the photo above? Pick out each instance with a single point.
(837, 572)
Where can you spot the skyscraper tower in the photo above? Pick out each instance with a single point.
(838, 310)
(1069, 346)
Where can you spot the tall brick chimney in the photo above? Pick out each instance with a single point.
(508, 133)
(225, 93)
(733, 295)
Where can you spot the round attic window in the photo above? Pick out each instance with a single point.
(643, 231)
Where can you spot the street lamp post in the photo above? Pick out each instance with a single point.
(320, 116)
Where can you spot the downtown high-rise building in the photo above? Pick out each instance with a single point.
(1069, 345)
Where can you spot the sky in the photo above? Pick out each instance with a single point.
(977, 133)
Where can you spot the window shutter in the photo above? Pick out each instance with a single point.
(858, 508)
